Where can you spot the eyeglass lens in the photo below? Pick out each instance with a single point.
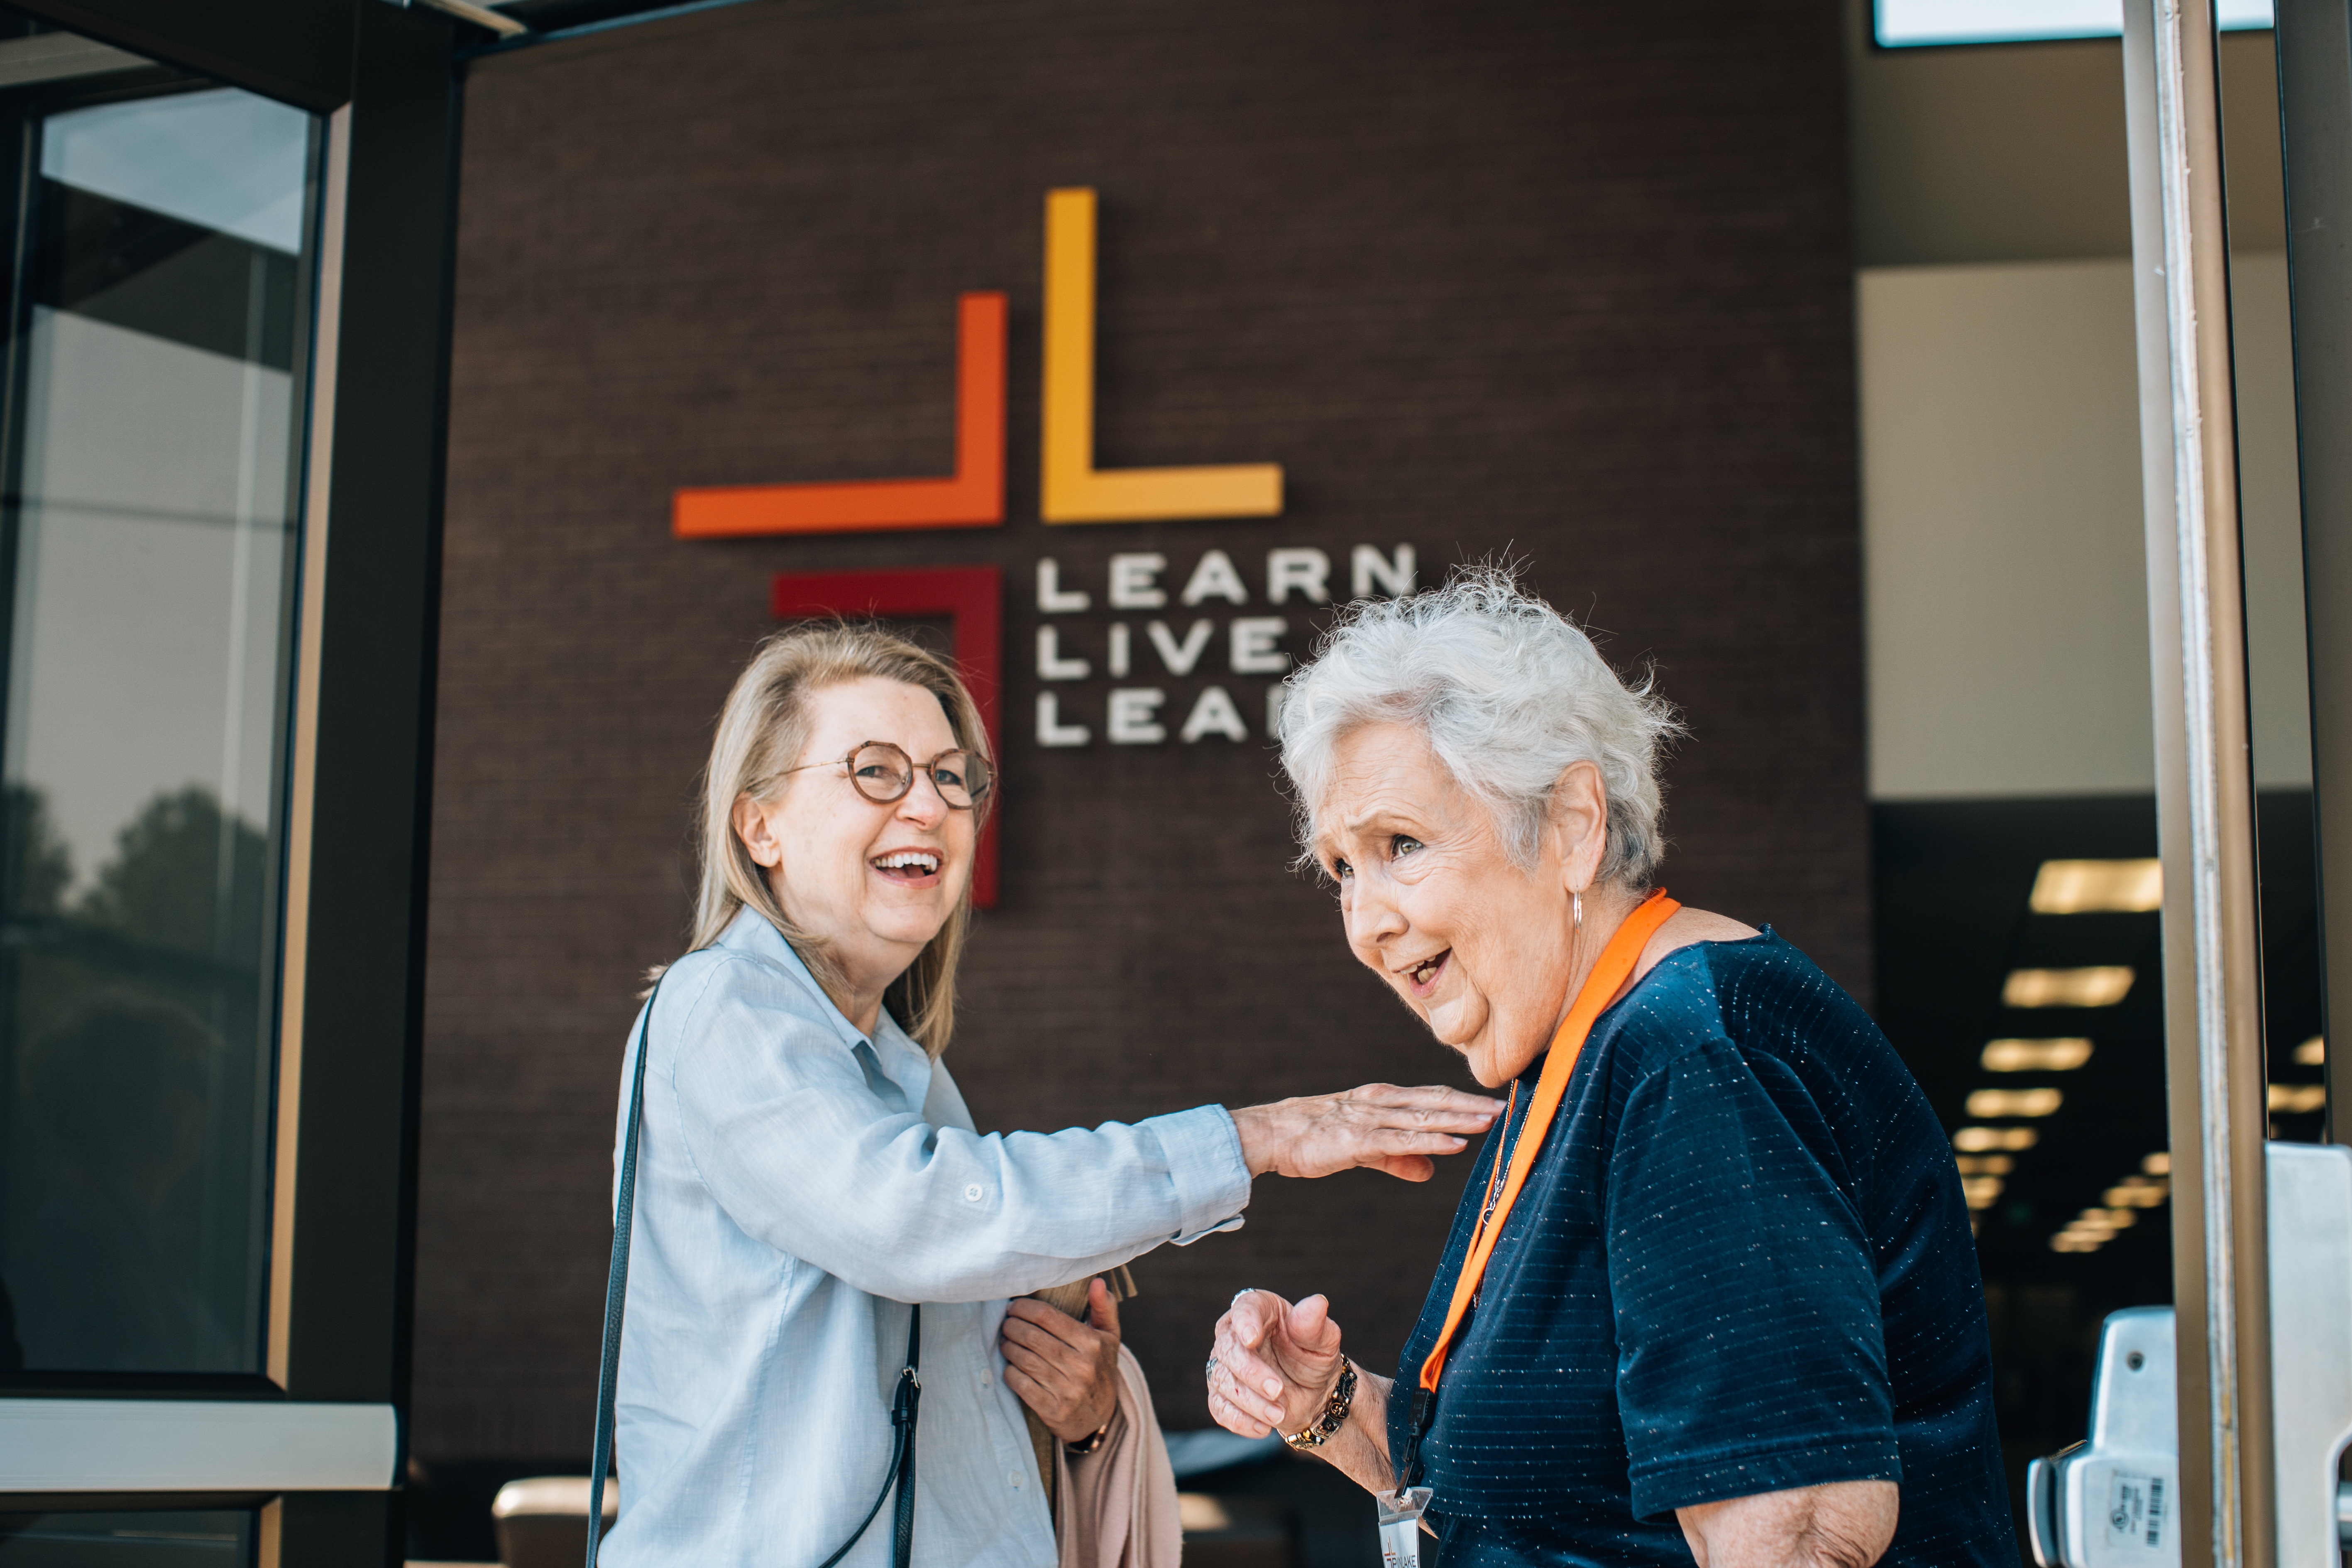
(884, 774)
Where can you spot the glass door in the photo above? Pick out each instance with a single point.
(165, 265)
(227, 232)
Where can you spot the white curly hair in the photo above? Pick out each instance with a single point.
(1508, 691)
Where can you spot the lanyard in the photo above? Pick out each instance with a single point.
(1617, 961)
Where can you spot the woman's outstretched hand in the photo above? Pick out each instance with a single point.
(1274, 1363)
(1379, 1125)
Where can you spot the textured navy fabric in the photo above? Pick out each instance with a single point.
(1741, 1264)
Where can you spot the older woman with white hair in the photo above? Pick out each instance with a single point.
(796, 1172)
(1712, 1292)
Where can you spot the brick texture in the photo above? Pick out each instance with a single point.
(1569, 282)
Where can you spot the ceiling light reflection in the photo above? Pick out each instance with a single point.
(2298, 1099)
(2036, 1055)
(2094, 886)
(1991, 1102)
(2096, 985)
(1983, 1140)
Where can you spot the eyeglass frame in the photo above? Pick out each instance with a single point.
(914, 770)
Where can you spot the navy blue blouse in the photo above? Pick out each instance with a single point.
(1742, 1264)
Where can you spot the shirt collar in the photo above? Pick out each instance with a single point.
(903, 1062)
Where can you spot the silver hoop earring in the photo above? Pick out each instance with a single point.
(1578, 899)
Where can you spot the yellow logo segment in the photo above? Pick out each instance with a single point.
(1072, 489)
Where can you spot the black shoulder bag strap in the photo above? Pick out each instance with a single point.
(903, 1403)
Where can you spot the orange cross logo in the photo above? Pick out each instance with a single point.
(1071, 489)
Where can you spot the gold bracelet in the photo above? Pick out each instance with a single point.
(1334, 1414)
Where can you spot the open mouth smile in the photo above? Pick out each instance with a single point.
(1422, 977)
(908, 867)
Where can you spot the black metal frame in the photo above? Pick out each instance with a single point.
(362, 1022)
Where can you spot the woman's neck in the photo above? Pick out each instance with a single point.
(1606, 907)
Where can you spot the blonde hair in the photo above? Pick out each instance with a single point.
(762, 729)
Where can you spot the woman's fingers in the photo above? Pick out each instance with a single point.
(1443, 1109)
(1223, 1385)
(1240, 1375)
(1046, 1400)
(1052, 1406)
(1041, 1318)
(1251, 1316)
(1048, 1357)
(1432, 1108)
(1248, 1369)
(1038, 1368)
(1222, 1412)
(1319, 1134)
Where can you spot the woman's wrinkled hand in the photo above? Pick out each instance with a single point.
(1064, 1369)
(1379, 1125)
(1275, 1364)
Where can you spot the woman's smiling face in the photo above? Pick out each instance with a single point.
(1479, 947)
(875, 882)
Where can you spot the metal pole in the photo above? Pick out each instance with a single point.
(2315, 65)
(2204, 781)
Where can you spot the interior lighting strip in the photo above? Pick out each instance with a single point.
(2118, 1207)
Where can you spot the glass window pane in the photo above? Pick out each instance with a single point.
(220, 1538)
(153, 449)
(1903, 23)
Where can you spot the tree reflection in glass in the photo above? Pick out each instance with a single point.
(122, 998)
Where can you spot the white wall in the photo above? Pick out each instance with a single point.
(2006, 606)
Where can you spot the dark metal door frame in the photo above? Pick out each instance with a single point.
(344, 1233)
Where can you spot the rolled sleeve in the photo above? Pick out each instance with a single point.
(1202, 1152)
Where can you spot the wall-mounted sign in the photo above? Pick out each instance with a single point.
(1205, 632)
(1072, 489)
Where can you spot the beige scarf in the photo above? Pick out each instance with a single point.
(1115, 1508)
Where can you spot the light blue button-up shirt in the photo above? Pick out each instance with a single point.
(798, 1183)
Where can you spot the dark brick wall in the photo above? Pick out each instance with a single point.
(1566, 281)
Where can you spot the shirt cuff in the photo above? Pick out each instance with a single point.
(1661, 1487)
(1203, 1152)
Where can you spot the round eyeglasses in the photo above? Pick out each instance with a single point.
(884, 774)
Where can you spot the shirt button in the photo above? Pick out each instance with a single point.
(971, 1193)
(1015, 1476)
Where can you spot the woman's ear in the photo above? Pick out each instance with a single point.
(1579, 823)
(751, 820)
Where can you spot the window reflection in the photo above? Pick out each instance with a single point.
(153, 441)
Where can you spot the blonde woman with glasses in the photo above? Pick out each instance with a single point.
(804, 1171)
